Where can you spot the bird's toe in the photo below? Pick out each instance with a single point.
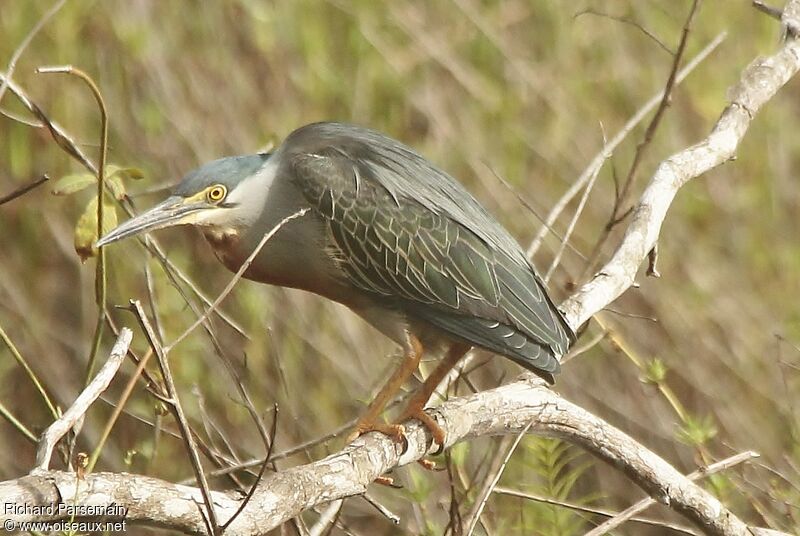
(396, 432)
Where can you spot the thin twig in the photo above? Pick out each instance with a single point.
(575, 351)
(629, 21)
(571, 226)
(151, 300)
(620, 212)
(666, 99)
(487, 491)
(645, 503)
(612, 145)
(19, 119)
(593, 511)
(173, 271)
(180, 417)
(19, 192)
(254, 487)
(12, 63)
(213, 430)
(525, 203)
(118, 408)
(244, 394)
(235, 279)
(29, 371)
(100, 383)
(59, 135)
(385, 512)
(770, 11)
(455, 523)
(16, 423)
(327, 517)
(100, 268)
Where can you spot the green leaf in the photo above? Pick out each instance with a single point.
(117, 187)
(655, 371)
(115, 178)
(132, 173)
(69, 184)
(696, 431)
(86, 228)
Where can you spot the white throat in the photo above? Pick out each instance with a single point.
(248, 198)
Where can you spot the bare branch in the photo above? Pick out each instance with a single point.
(508, 409)
(183, 423)
(19, 192)
(328, 517)
(491, 482)
(235, 279)
(589, 510)
(100, 383)
(100, 278)
(760, 81)
(645, 503)
(609, 148)
(27, 41)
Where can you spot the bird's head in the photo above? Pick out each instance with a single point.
(225, 194)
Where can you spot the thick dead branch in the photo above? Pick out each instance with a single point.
(509, 409)
(760, 81)
(75, 413)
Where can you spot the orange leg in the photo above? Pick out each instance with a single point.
(367, 422)
(416, 406)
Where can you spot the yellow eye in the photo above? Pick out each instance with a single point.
(216, 193)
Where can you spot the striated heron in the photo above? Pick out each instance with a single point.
(390, 236)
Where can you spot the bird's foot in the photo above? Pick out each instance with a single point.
(414, 412)
(395, 431)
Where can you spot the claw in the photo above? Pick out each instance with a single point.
(429, 423)
(395, 431)
(388, 481)
(429, 465)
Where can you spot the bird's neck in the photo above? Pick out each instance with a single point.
(221, 238)
(225, 242)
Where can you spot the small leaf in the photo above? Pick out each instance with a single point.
(115, 177)
(69, 184)
(86, 228)
(697, 431)
(117, 187)
(128, 457)
(655, 371)
(131, 173)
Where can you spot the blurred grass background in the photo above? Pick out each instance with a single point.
(518, 89)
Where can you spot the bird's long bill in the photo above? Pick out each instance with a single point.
(172, 211)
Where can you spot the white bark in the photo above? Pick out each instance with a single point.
(759, 82)
(507, 409)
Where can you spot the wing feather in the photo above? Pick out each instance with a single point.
(396, 238)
